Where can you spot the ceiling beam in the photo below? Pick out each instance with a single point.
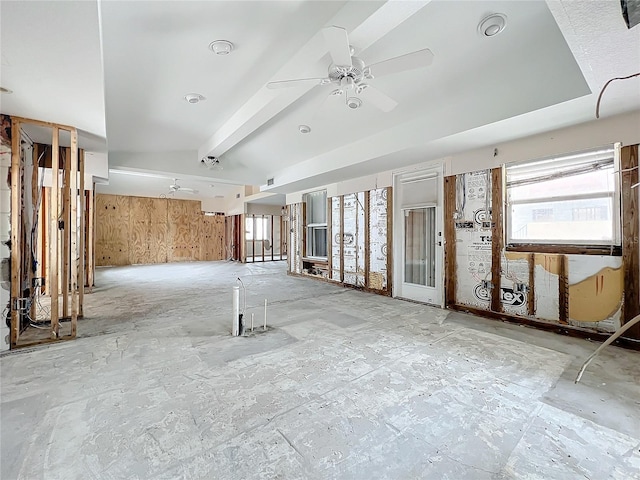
(366, 28)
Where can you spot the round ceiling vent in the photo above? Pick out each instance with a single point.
(221, 47)
(194, 98)
(492, 25)
(304, 128)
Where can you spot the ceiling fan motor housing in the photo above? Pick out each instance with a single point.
(355, 72)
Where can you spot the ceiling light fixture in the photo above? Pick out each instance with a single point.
(5, 90)
(492, 25)
(212, 163)
(304, 128)
(194, 98)
(221, 47)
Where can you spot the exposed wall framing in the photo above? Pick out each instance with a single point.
(582, 291)
(142, 230)
(47, 229)
(358, 237)
(269, 240)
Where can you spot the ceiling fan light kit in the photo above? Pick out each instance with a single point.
(349, 72)
(212, 163)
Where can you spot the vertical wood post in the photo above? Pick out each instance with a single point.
(450, 240)
(16, 231)
(342, 238)
(497, 238)
(53, 232)
(531, 292)
(73, 231)
(630, 236)
(91, 237)
(367, 237)
(330, 237)
(390, 240)
(563, 289)
(81, 202)
(273, 247)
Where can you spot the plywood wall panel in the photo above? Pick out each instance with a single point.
(212, 237)
(112, 230)
(132, 230)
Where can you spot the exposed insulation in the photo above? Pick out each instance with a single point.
(378, 239)
(335, 238)
(594, 284)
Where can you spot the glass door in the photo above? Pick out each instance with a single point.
(419, 255)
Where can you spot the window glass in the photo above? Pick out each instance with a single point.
(571, 199)
(316, 224)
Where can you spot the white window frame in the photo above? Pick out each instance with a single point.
(615, 196)
(310, 228)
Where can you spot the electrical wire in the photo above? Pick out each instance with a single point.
(606, 85)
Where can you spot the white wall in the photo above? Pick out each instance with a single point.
(236, 205)
(262, 209)
(621, 128)
(213, 205)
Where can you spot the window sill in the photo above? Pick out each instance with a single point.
(316, 260)
(562, 249)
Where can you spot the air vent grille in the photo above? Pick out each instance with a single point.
(269, 181)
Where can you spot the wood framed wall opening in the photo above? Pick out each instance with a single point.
(264, 237)
(47, 234)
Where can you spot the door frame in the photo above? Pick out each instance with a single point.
(398, 226)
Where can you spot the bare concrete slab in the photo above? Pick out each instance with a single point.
(344, 385)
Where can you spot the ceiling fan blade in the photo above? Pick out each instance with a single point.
(337, 42)
(378, 99)
(301, 82)
(409, 61)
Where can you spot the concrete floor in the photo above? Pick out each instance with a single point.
(344, 385)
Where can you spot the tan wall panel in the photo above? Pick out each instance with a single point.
(131, 230)
(112, 230)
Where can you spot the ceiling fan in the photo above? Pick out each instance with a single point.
(350, 74)
(173, 188)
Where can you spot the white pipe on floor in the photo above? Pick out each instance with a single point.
(609, 341)
(265, 313)
(235, 312)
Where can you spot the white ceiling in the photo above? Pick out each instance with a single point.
(543, 72)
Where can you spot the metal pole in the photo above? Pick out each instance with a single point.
(235, 311)
(265, 313)
(252, 322)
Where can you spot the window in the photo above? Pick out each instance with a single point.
(316, 224)
(572, 200)
(260, 229)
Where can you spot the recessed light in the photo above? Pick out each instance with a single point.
(5, 90)
(492, 25)
(221, 47)
(194, 97)
(304, 128)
